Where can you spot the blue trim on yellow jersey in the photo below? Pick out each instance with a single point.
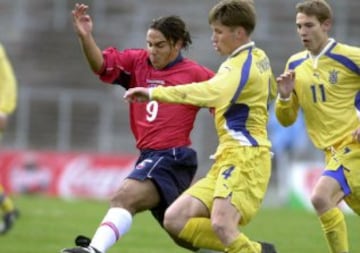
(245, 72)
(294, 64)
(357, 101)
(343, 60)
(236, 117)
(237, 114)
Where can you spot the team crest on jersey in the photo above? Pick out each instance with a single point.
(153, 83)
(317, 75)
(143, 164)
(333, 76)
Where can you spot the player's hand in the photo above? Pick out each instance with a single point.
(356, 135)
(138, 94)
(286, 83)
(82, 22)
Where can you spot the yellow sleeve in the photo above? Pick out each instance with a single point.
(286, 110)
(272, 89)
(210, 93)
(8, 85)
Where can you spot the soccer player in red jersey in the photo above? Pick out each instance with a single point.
(167, 164)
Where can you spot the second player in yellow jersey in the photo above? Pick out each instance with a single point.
(324, 81)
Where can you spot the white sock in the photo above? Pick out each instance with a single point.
(115, 224)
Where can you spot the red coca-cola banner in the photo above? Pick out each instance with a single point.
(68, 175)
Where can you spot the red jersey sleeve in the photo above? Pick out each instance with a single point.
(119, 65)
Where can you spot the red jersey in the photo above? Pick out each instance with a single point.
(155, 125)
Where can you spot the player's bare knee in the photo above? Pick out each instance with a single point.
(219, 228)
(116, 201)
(171, 226)
(226, 229)
(172, 222)
(320, 202)
(124, 200)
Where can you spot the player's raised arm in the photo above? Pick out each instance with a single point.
(286, 84)
(83, 26)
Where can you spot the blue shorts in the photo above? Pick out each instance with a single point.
(171, 170)
(339, 176)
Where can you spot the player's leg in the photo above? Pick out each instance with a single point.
(133, 196)
(351, 162)
(342, 172)
(240, 189)
(325, 197)
(353, 178)
(10, 213)
(187, 221)
(199, 230)
(330, 189)
(175, 176)
(6, 204)
(225, 219)
(153, 184)
(178, 214)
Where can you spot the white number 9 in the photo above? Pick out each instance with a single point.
(152, 109)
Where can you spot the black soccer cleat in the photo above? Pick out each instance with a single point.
(267, 247)
(82, 241)
(83, 246)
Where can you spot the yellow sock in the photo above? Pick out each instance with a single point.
(199, 232)
(6, 203)
(334, 227)
(244, 245)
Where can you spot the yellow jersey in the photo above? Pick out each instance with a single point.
(327, 90)
(8, 85)
(239, 93)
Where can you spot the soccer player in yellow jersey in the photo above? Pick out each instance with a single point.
(208, 214)
(8, 94)
(324, 81)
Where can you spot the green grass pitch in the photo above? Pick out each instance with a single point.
(48, 224)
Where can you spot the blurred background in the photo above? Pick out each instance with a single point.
(64, 109)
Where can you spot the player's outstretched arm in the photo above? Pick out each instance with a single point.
(83, 27)
(138, 94)
(82, 22)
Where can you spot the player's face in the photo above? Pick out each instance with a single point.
(313, 34)
(161, 51)
(224, 39)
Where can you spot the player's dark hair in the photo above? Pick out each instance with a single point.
(173, 28)
(318, 8)
(234, 13)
